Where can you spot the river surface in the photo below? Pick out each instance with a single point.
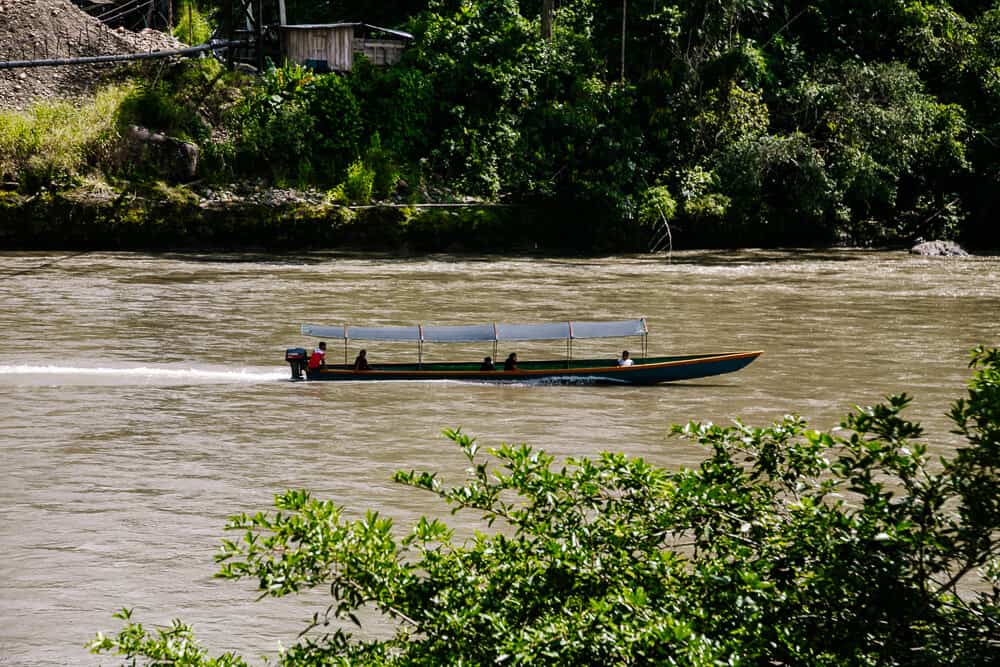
(143, 399)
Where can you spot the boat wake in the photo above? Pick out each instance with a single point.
(583, 380)
(50, 375)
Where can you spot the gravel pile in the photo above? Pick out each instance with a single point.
(48, 29)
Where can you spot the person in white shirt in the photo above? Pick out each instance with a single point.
(625, 361)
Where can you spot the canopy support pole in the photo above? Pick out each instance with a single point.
(569, 343)
(420, 346)
(345, 352)
(496, 340)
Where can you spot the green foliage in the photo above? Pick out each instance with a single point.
(785, 546)
(780, 189)
(381, 162)
(297, 122)
(733, 117)
(337, 116)
(153, 105)
(193, 27)
(886, 141)
(701, 201)
(174, 645)
(396, 104)
(476, 56)
(182, 100)
(359, 184)
(658, 206)
(58, 141)
(275, 124)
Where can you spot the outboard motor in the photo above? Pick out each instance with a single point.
(298, 359)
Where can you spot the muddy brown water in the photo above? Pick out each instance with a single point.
(143, 399)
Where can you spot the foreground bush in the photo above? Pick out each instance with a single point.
(785, 546)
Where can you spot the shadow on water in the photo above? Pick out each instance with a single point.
(753, 257)
(316, 257)
(42, 266)
(707, 257)
(265, 258)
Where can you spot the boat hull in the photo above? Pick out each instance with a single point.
(647, 371)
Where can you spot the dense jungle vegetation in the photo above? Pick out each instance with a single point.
(785, 546)
(738, 122)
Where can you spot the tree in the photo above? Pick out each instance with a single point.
(888, 144)
(785, 546)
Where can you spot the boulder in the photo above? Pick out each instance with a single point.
(938, 249)
(173, 159)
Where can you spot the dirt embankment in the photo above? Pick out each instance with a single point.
(49, 29)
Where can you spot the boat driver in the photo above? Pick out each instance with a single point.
(318, 358)
(625, 360)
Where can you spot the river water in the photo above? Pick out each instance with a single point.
(143, 399)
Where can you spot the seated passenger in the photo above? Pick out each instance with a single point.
(361, 362)
(511, 363)
(487, 364)
(625, 361)
(318, 358)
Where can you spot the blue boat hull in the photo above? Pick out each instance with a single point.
(588, 371)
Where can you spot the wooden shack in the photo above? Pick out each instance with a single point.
(332, 46)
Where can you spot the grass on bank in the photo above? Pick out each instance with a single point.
(56, 141)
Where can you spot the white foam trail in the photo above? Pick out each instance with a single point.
(574, 380)
(146, 372)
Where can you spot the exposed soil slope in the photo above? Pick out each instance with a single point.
(43, 29)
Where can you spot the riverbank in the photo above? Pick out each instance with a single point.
(158, 216)
(246, 216)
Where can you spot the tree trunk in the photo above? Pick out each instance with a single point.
(547, 9)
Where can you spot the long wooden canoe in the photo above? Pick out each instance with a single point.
(583, 371)
(646, 370)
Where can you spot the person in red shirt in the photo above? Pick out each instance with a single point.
(318, 358)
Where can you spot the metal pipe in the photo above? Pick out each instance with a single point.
(214, 45)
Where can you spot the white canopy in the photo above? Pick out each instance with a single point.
(471, 333)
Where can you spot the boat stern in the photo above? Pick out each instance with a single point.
(298, 359)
